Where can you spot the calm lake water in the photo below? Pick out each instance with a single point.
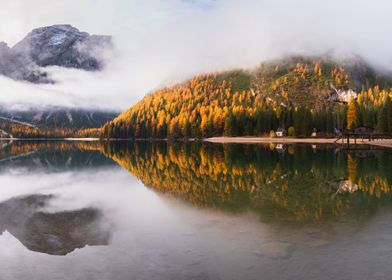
(77, 210)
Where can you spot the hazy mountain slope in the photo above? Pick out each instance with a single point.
(57, 117)
(310, 80)
(19, 67)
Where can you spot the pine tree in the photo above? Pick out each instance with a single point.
(228, 126)
(381, 121)
(388, 109)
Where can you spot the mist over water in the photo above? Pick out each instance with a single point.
(183, 211)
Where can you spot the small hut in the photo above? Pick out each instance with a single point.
(280, 132)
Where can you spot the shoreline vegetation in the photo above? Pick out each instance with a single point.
(387, 143)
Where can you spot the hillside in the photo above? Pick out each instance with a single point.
(299, 94)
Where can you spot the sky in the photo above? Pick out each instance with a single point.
(159, 43)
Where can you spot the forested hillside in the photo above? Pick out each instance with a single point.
(300, 95)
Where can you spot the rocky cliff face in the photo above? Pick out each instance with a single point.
(56, 45)
(18, 66)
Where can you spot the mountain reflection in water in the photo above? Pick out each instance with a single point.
(26, 217)
(51, 233)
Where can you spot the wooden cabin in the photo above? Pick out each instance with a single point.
(280, 132)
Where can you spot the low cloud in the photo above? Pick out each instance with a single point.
(163, 42)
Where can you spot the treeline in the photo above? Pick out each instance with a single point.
(230, 104)
(24, 131)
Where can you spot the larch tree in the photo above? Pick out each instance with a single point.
(351, 115)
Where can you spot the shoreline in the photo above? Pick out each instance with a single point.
(278, 140)
(386, 143)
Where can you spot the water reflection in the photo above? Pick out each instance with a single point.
(281, 183)
(294, 183)
(26, 167)
(51, 233)
(51, 156)
(208, 212)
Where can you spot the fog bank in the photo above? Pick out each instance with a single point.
(163, 42)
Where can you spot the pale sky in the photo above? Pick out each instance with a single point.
(163, 42)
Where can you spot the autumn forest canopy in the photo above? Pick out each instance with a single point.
(300, 95)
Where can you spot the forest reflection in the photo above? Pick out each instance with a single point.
(295, 183)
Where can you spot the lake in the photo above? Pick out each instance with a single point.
(89, 210)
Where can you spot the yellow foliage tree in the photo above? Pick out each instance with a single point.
(351, 115)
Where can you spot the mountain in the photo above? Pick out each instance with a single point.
(19, 67)
(299, 94)
(56, 45)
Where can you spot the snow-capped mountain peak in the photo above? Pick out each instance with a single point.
(56, 45)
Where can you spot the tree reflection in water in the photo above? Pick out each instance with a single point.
(292, 183)
(296, 183)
